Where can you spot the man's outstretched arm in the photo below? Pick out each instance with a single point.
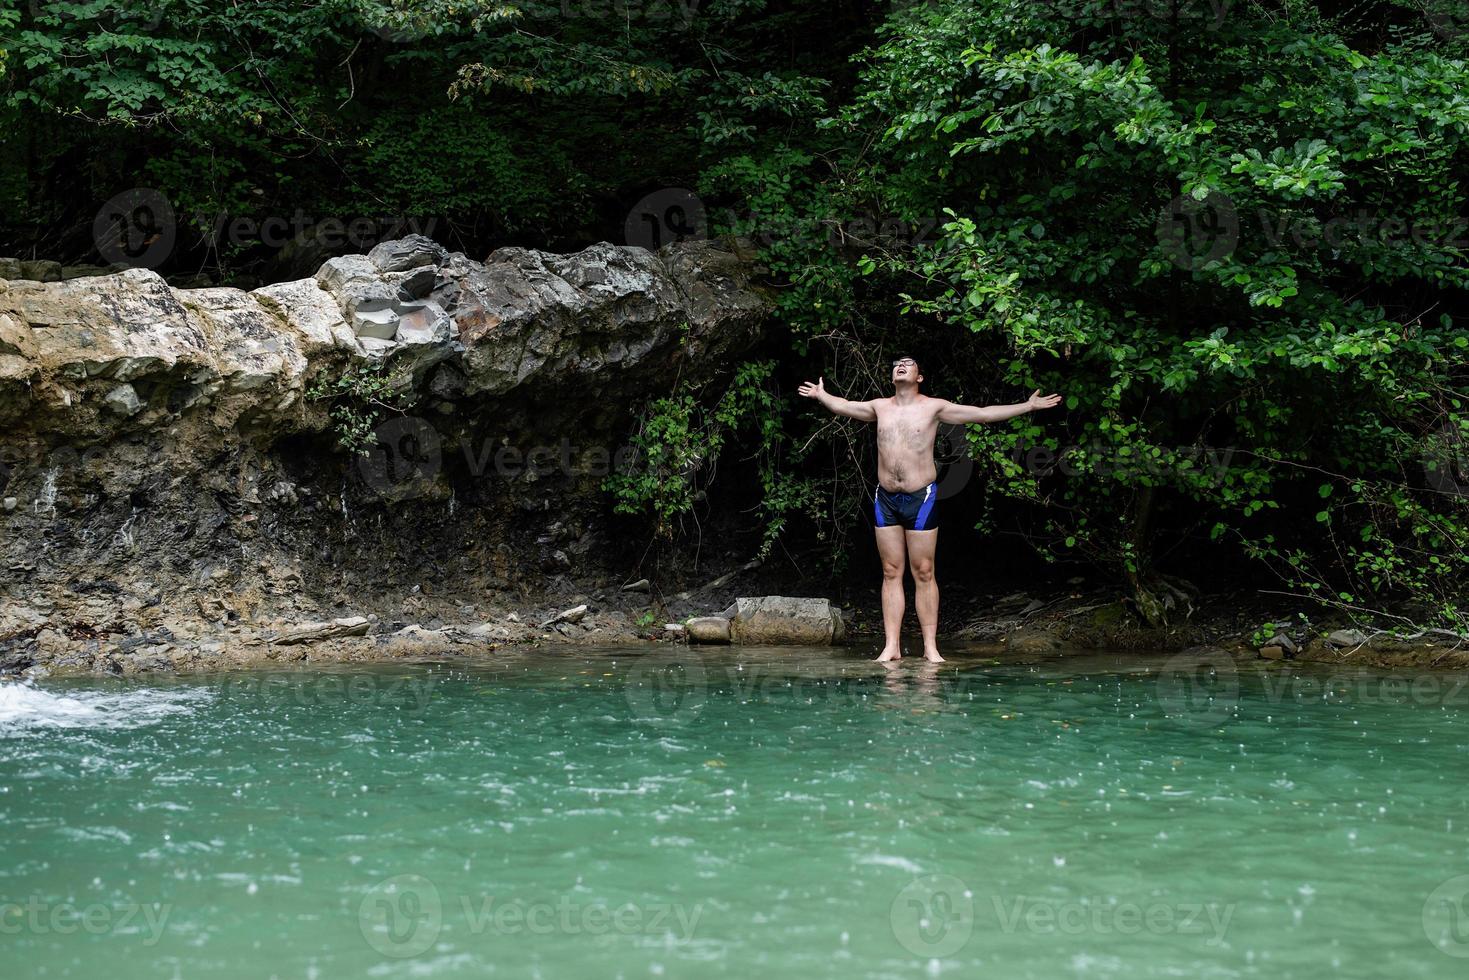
(861, 411)
(961, 414)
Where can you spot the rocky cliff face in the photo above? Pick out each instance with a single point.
(169, 459)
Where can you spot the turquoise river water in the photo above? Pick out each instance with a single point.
(774, 813)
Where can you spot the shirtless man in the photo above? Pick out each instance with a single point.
(903, 501)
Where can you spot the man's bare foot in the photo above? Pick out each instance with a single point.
(932, 656)
(889, 654)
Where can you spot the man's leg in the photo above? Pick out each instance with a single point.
(921, 546)
(890, 550)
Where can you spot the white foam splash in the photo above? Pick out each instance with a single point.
(24, 706)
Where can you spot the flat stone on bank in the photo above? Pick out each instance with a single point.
(777, 620)
(316, 632)
(1347, 638)
(708, 629)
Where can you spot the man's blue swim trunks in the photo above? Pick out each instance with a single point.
(914, 511)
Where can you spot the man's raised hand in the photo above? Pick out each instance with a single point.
(1039, 401)
(809, 390)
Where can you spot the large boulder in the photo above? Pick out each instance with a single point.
(776, 620)
(607, 315)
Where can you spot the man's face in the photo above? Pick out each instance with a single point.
(906, 369)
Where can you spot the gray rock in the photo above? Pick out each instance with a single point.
(423, 323)
(573, 615)
(1284, 642)
(675, 631)
(780, 620)
(708, 629)
(490, 631)
(610, 314)
(641, 585)
(375, 347)
(408, 253)
(311, 312)
(1274, 651)
(15, 661)
(40, 270)
(335, 274)
(447, 383)
(123, 400)
(415, 284)
(10, 268)
(10, 503)
(379, 324)
(1030, 641)
(1347, 638)
(316, 632)
(82, 271)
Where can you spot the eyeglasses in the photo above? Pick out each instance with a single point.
(906, 360)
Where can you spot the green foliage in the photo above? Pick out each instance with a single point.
(501, 119)
(359, 400)
(678, 446)
(1222, 241)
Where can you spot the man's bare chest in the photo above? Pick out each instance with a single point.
(906, 429)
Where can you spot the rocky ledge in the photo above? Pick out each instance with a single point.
(171, 467)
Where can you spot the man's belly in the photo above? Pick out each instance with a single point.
(905, 474)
